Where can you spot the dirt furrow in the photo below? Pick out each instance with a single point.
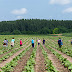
(5, 54)
(64, 55)
(11, 57)
(22, 62)
(55, 61)
(39, 66)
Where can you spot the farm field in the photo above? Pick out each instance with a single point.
(43, 58)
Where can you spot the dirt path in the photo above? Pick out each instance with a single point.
(11, 57)
(57, 64)
(64, 55)
(22, 62)
(5, 54)
(39, 66)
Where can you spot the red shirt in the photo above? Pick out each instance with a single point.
(21, 42)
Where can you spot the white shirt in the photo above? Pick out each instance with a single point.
(38, 41)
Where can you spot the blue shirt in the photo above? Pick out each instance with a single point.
(13, 40)
(32, 41)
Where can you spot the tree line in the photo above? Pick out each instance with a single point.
(35, 26)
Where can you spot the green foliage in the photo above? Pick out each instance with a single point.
(49, 66)
(63, 30)
(9, 66)
(35, 26)
(16, 32)
(67, 34)
(64, 61)
(56, 31)
(31, 62)
(45, 31)
(5, 33)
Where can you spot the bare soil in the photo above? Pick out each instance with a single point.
(55, 61)
(57, 34)
(5, 54)
(39, 66)
(64, 55)
(22, 62)
(11, 57)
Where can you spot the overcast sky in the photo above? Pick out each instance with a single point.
(36, 9)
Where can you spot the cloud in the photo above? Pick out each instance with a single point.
(19, 17)
(20, 11)
(62, 2)
(68, 10)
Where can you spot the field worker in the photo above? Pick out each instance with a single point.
(43, 41)
(60, 42)
(38, 42)
(20, 42)
(5, 43)
(71, 41)
(12, 42)
(32, 41)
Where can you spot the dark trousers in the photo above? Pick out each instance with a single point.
(59, 45)
(43, 43)
(32, 44)
(38, 43)
(71, 43)
(20, 44)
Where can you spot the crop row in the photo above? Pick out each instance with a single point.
(3, 49)
(66, 41)
(48, 63)
(63, 49)
(9, 66)
(11, 53)
(63, 60)
(31, 62)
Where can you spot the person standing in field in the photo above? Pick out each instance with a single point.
(43, 41)
(12, 42)
(5, 43)
(60, 42)
(20, 42)
(38, 42)
(71, 41)
(32, 41)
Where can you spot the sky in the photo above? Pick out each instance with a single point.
(35, 9)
